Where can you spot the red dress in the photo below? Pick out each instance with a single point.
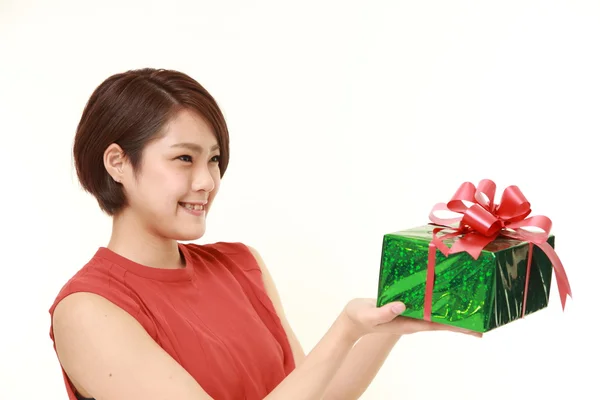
(214, 316)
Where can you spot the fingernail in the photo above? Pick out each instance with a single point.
(398, 308)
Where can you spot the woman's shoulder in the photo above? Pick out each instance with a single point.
(240, 254)
(220, 246)
(99, 277)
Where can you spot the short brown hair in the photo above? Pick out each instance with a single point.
(131, 109)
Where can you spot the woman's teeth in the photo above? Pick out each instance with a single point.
(194, 207)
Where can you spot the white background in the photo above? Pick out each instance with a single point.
(348, 119)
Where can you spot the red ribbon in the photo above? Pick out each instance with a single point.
(483, 221)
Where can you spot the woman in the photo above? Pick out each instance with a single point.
(151, 318)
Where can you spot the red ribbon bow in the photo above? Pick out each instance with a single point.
(483, 221)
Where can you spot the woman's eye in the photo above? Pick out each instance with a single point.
(185, 158)
(216, 159)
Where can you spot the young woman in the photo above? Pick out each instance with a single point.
(151, 318)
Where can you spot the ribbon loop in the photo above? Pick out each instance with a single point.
(486, 188)
(513, 205)
(465, 192)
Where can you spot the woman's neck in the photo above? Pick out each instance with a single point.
(134, 241)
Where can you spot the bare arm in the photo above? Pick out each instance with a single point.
(108, 355)
(361, 366)
(310, 379)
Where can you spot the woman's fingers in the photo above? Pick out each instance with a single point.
(406, 325)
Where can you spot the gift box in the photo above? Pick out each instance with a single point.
(488, 266)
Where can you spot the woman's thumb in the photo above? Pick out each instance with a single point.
(391, 311)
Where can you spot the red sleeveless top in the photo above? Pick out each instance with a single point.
(214, 316)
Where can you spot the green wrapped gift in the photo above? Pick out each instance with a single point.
(478, 271)
(478, 295)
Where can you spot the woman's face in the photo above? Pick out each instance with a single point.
(177, 181)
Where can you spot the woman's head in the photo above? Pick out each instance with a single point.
(150, 141)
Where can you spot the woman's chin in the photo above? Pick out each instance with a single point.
(190, 235)
(187, 232)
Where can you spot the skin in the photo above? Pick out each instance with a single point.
(109, 356)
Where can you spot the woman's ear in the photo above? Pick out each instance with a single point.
(114, 162)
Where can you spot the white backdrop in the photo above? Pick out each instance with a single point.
(349, 119)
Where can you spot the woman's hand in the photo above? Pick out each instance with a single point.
(364, 317)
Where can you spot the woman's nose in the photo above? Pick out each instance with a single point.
(203, 180)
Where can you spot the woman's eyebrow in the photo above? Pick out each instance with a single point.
(194, 146)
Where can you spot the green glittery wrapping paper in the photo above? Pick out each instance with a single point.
(478, 295)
